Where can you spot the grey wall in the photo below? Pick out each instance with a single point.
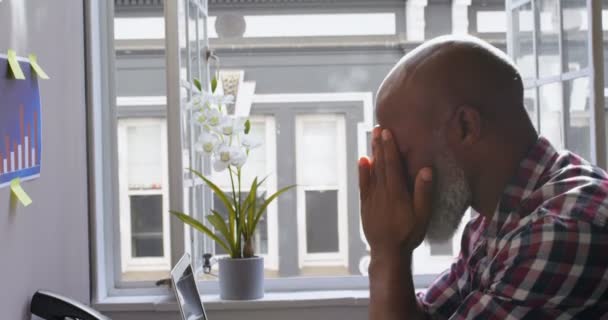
(46, 244)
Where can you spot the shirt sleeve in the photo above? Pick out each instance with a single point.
(443, 297)
(555, 266)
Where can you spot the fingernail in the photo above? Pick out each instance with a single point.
(376, 132)
(386, 135)
(427, 175)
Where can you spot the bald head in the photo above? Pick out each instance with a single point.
(451, 71)
(456, 104)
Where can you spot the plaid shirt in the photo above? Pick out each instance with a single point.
(544, 253)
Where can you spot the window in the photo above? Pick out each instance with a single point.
(552, 46)
(321, 194)
(144, 224)
(311, 238)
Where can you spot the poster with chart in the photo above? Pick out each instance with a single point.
(20, 134)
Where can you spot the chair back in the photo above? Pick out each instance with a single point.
(51, 306)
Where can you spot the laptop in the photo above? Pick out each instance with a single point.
(184, 284)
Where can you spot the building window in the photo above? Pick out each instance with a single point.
(143, 198)
(318, 221)
(321, 193)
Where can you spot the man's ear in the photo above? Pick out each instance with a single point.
(467, 124)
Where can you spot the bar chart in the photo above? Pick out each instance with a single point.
(20, 152)
(20, 136)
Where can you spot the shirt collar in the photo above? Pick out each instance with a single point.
(526, 179)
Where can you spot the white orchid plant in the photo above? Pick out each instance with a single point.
(226, 141)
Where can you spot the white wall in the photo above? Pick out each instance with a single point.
(46, 244)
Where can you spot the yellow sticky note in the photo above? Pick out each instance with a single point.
(19, 193)
(14, 64)
(36, 67)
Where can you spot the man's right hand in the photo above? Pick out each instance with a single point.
(394, 224)
(393, 220)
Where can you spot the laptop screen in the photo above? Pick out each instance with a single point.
(185, 289)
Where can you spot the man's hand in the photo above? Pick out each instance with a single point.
(393, 219)
(394, 223)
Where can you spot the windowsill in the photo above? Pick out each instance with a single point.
(277, 300)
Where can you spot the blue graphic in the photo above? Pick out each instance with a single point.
(20, 128)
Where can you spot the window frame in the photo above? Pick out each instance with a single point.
(597, 124)
(128, 262)
(339, 258)
(102, 120)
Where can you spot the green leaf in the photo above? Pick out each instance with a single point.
(254, 199)
(262, 181)
(266, 203)
(197, 84)
(200, 227)
(220, 194)
(213, 84)
(217, 221)
(247, 126)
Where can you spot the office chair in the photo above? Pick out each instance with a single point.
(51, 306)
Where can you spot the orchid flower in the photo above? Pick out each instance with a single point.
(229, 156)
(231, 125)
(207, 118)
(250, 142)
(207, 143)
(216, 99)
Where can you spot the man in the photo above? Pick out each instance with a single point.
(453, 133)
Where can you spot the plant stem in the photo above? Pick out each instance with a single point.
(235, 233)
(238, 221)
(248, 250)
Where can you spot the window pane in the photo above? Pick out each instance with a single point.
(145, 162)
(579, 130)
(442, 248)
(530, 104)
(146, 214)
(322, 221)
(549, 62)
(318, 148)
(523, 48)
(193, 39)
(143, 204)
(147, 226)
(551, 107)
(575, 29)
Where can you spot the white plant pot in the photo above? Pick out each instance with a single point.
(241, 279)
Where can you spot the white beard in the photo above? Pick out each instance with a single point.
(451, 199)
